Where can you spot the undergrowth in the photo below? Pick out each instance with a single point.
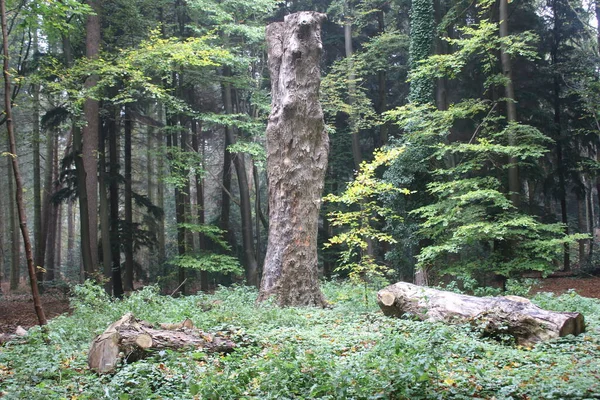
(350, 351)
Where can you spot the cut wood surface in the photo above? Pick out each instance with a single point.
(132, 339)
(513, 315)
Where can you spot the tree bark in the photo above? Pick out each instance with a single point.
(104, 214)
(89, 148)
(15, 246)
(356, 153)
(134, 339)
(250, 264)
(37, 304)
(512, 315)
(297, 150)
(198, 146)
(115, 243)
(52, 222)
(128, 239)
(514, 186)
(37, 184)
(562, 189)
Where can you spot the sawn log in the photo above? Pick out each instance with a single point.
(513, 315)
(132, 340)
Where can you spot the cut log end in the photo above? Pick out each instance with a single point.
(387, 298)
(144, 341)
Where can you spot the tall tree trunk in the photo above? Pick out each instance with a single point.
(382, 88)
(15, 247)
(115, 240)
(514, 186)
(224, 223)
(70, 235)
(104, 213)
(179, 207)
(257, 212)
(160, 197)
(250, 264)
(297, 151)
(583, 228)
(52, 223)
(128, 239)
(37, 184)
(198, 146)
(59, 242)
(90, 134)
(37, 304)
(47, 206)
(356, 153)
(558, 133)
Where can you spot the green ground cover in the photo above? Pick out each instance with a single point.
(350, 351)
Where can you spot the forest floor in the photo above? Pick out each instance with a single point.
(17, 309)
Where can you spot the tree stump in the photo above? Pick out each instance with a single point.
(513, 315)
(132, 339)
(297, 151)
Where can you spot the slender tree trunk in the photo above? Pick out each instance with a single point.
(160, 197)
(104, 214)
(59, 242)
(514, 186)
(179, 208)
(37, 184)
(15, 247)
(37, 304)
(562, 189)
(47, 207)
(382, 88)
(128, 239)
(257, 211)
(583, 228)
(356, 153)
(297, 152)
(198, 146)
(52, 224)
(70, 235)
(224, 223)
(250, 264)
(115, 240)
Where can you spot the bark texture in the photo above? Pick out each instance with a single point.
(297, 149)
(512, 315)
(133, 339)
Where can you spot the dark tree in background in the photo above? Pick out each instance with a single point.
(297, 151)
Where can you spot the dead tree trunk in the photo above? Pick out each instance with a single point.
(297, 149)
(512, 315)
(134, 339)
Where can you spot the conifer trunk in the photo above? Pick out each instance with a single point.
(37, 304)
(128, 239)
(89, 147)
(15, 246)
(104, 214)
(514, 186)
(297, 151)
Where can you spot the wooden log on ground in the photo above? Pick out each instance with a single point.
(513, 315)
(132, 340)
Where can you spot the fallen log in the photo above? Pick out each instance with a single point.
(513, 315)
(132, 340)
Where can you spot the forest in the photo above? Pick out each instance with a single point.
(148, 170)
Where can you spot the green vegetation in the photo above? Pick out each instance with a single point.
(348, 351)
